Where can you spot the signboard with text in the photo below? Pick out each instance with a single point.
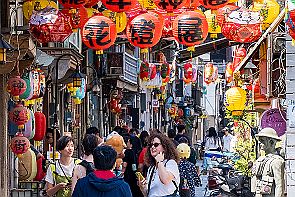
(276, 119)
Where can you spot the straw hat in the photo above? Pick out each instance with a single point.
(268, 132)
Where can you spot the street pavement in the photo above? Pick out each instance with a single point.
(200, 191)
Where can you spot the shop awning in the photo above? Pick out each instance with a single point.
(204, 48)
(271, 29)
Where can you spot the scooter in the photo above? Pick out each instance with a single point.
(225, 181)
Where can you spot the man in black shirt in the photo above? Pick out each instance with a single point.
(180, 134)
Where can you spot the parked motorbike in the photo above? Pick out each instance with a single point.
(225, 181)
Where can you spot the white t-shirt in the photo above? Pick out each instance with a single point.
(157, 187)
(229, 142)
(212, 143)
(68, 170)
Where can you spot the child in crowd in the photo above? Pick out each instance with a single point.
(189, 177)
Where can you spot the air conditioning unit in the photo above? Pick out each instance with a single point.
(116, 71)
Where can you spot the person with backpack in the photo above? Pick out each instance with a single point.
(89, 143)
(189, 177)
(59, 174)
(102, 182)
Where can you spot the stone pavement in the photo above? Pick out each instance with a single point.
(200, 191)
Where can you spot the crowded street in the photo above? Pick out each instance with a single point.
(147, 98)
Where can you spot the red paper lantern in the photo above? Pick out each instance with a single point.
(169, 5)
(19, 115)
(144, 71)
(72, 3)
(78, 17)
(144, 31)
(242, 26)
(165, 70)
(152, 71)
(19, 144)
(135, 11)
(180, 113)
(213, 5)
(40, 173)
(114, 106)
(16, 86)
(240, 54)
(99, 33)
(188, 73)
(190, 28)
(40, 126)
(119, 5)
(191, 4)
(50, 25)
(229, 71)
(222, 13)
(292, 33)
(90, 3)
(210, 73)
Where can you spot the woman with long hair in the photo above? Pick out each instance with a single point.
(163, 174)
(212, 141)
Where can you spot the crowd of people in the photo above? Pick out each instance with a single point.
(152, 164)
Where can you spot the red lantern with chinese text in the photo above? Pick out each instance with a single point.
(188, 73)
(169, 5)
(119, 5)
(152, 71)
(40, 126)
(50, 25)
(72, 3)
(144, 31)
(19, 144)
(213, 5)
(242, 26)
(99, 33)
(78, 17)
(16, 86)
(190, 28)
(222, 13)
(19, 115)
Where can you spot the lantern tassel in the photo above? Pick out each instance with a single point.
(145, 50)
(99, 52)
(192, 48)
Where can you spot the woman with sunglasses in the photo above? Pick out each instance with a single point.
(163, 174)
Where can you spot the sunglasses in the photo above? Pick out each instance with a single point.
(154, 144)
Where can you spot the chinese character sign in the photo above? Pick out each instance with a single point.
(19, 144)
(99, 33)
(119, 5)
(169, 5)
(144, 31)
(72, 3)
(213, 4)
(190, 28)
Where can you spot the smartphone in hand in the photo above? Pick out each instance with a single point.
(139, 176)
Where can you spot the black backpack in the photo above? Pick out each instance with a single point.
(88, 165)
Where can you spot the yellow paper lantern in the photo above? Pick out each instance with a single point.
(236, 99)
(91, 12)
(269, 10)
(213, 27)
(147, 4)
(119, 18)
(35, 5)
